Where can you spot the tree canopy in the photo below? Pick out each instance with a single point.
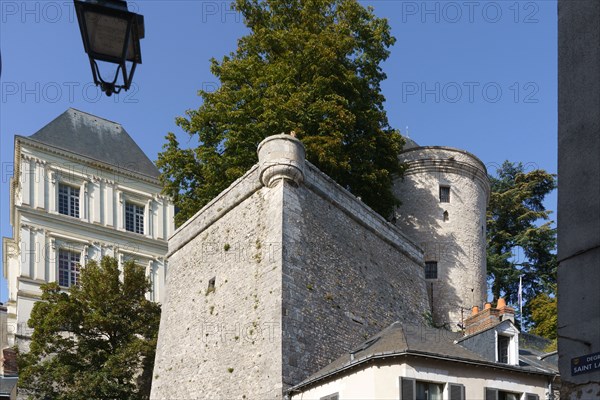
(518, 244)
(309, 66)
(544, 317)
(96, 341)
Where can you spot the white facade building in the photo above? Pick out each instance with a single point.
(81, 189)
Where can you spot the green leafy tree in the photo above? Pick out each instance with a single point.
(518, 245)
(97, 341)
(309, 66)
(544, 317)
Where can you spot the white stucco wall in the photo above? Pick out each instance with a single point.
(381, 380)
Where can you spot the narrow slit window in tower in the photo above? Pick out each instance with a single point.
(211, 285)
(431, 270)
(446, 216)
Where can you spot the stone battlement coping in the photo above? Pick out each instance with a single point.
(314, 180)
(446, 159)
(440, 150)
(238, 191)
(333, 192)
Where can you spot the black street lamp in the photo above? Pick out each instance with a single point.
(111, 34)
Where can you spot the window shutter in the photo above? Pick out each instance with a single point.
(457, 392)
(532, 396)
(407, 389)
(334, 396)
(491, 394)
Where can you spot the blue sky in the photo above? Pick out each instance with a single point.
(477, 75)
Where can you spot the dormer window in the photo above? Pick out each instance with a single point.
(503, 345)
(501, 338)
(507, 347)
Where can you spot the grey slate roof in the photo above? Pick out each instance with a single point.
(7, 385)
(97, 138)
(409, 143)
(532, 352)
(406, 339)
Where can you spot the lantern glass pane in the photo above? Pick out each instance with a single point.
(106, 35)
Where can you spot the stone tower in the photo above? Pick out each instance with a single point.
(444, 196)
(275, 278)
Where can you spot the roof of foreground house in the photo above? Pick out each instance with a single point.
(97, 138)
(7, 385)
(401, 339)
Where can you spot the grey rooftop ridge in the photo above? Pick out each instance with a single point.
(97, 138)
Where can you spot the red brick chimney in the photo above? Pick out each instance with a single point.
(488, 317)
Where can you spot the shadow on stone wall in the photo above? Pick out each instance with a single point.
(439, 244)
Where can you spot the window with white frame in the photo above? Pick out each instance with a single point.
(134, 218)
(68, 267)
(68, 200)
(507, 344)
(503, 349)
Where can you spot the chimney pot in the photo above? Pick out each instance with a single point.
(501, 303)
(487, 306)
(475, 310)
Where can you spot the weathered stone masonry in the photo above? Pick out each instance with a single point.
(303, 271)
(451, 233)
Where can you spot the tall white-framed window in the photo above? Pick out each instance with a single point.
(507, 344)
(143, 261)
(503, 349)
(68, 200)
(134, 217)
(68, 267)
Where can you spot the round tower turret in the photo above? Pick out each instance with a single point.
(444, 195)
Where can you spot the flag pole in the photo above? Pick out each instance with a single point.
(521, 299)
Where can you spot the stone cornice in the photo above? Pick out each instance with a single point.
(451, 166)
(446, 148)
(83, 159)
(128, 237)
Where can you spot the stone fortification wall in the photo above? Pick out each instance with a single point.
(303, 272)
(224, 342)
(451, 233)
(347, 274)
